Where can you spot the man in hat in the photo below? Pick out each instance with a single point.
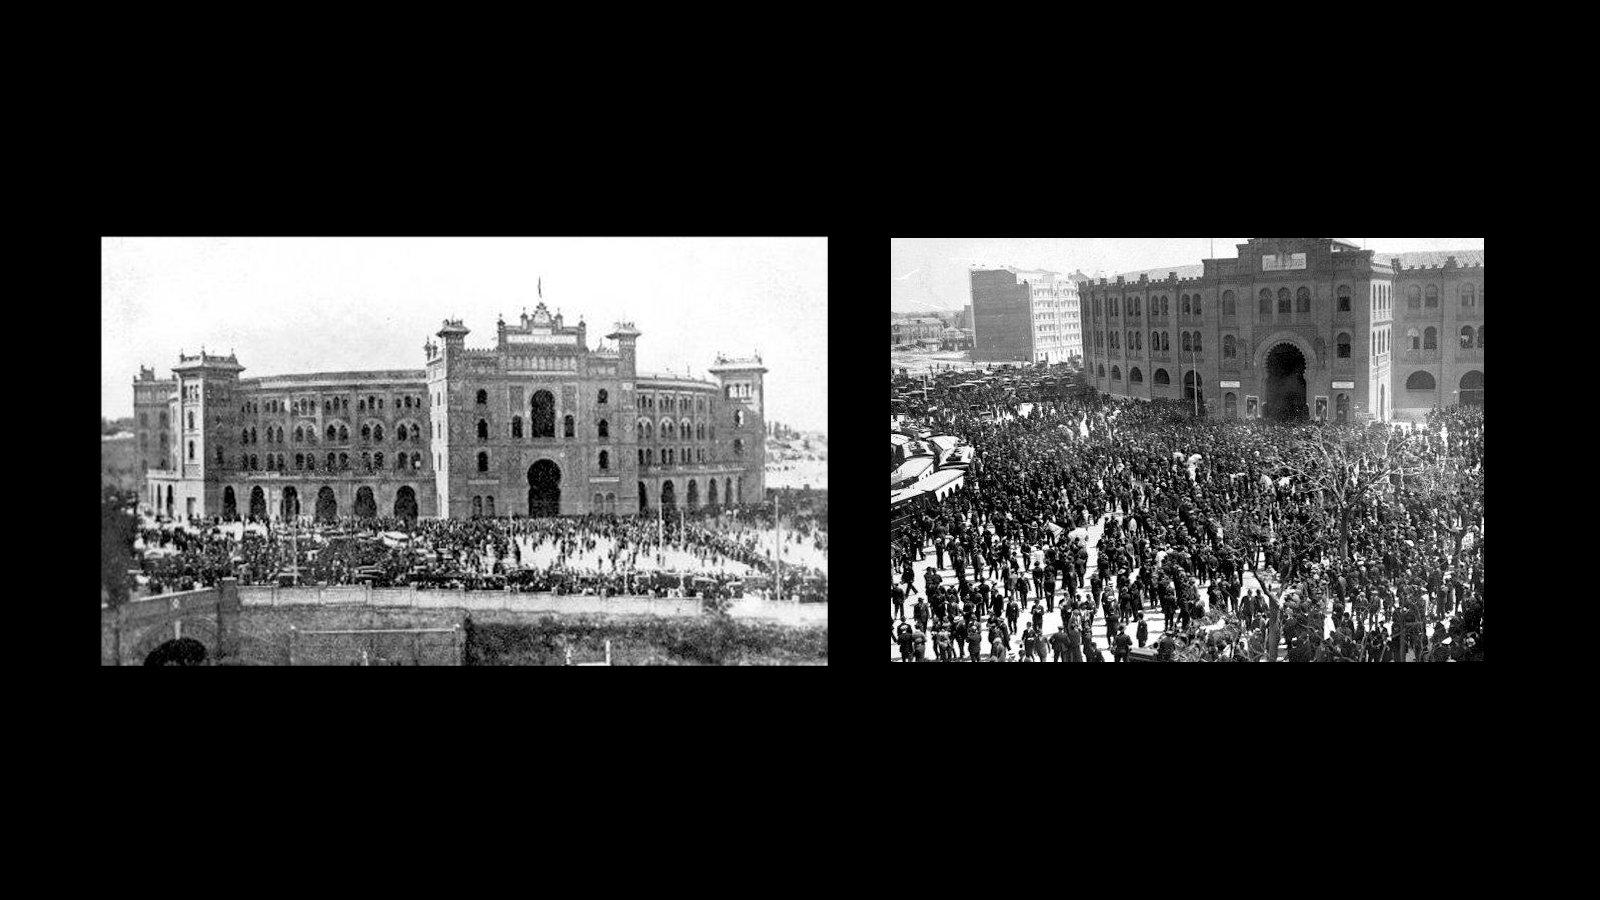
(1060, 641)
(1122, 646)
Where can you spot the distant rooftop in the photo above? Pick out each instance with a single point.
(1433, 258)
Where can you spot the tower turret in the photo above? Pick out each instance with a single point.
(627, 338)
(741, 378)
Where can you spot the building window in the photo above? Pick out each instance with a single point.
(191, 443)
(605, 460)
(516, 426)
(1197, 342)
(1466, 337)
(1480, 337)
(1302, 301)
(1102, 370)
(1187, 345)
(1228, 347)
(605, 430)
(483, 429)
(1467, 299)
(1228, 306)
(1432, 297)
(483, 398)
(1430, 339)
(1186, 304)
(1116, 374)
(1414, 339)
(1343, 343)
(1135, 376)
(1197, 305)
(483, 461)
(1283, 301)
(1420, 381)
(602, 400)
(1266, 302)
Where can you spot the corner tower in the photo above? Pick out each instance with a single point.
(207, 418)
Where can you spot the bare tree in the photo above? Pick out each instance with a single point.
(1347, 472)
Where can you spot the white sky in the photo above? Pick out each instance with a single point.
(288, 305)
(924, 270)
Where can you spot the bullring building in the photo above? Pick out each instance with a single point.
(539, 424)
(1294, 328)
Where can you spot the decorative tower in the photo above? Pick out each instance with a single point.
(444, 364)
(741, 398)
(207, 425)
(627, 338)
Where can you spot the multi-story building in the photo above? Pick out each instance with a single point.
(1294, 328)
(907, 330)
(1023, 315)
(539, 424)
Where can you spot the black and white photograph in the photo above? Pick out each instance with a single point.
(464, 451)
(1186, 450)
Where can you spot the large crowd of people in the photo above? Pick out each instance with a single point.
(728, 550)
(1240, 535)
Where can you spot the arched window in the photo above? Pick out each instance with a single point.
(271, 463)
(1302, 300)
(298, 436)
(332, 462)
(191, 421)
(1102, 370)
(244, 435)
(377, 433)
(244, 461)
(1466, 337)
(1420, 381)
(366, 432)
(1155, 340)
(1188, 346)
(1228, 347)
(416, 461)
(569, 427)
(361, 406)
(377, 460)
(299, 461)
(516, 426)
(477, 506)
(366, 461)
(603, 396)
(1468, 300)
(542, 418)
(311, 462)
(1197, 305)
(700, 431)
(483, 398)
(1431, 299)
(1186, 304)
(1430, 339)
(400, 433)
(1413, 297)
(1135, 376)
(649, 456)
(344, 433)
(483, 461)
(483, 429)
(1229, 308)
(1283, 301)
(1343, 344)
(641, 456)
(1266, 302)
(191, 444)
(1116, 374)
(1197, 348)
(605, 460)
(1480, 337)
(252, 436)
(344, 461)
(604, 429)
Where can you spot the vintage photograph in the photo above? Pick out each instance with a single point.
(464, 451)
(1186, 450)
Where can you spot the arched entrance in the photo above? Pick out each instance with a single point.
(327, 505)
(542, 414)
(711, 492)
(169, 501)
(366, 506)
(289, 508)
(405, 503)
(644, 498)
(1230, 405)
(258, 503)
(668, 497)
(230, 504)
(1341, 409)
(544, 489)
(178, 652)
(694, 495)
(1472, 389)
(1285, 386)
